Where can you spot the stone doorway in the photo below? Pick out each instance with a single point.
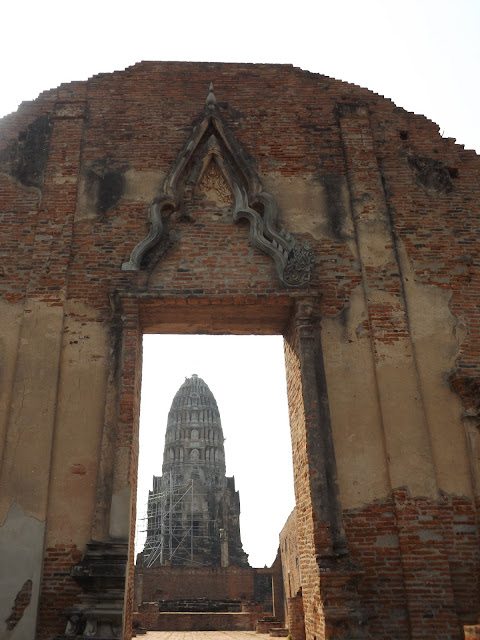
(246, 375)
(241, 315)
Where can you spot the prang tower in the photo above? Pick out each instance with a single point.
(193, 509)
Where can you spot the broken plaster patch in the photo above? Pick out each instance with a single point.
(120, 514)
(21, 554)
(21, 603)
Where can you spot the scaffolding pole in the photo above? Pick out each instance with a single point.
(171, 525)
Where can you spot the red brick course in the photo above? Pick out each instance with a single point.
(154, 621)
(296, 618)
(173, 583)
(58, 590)
(421, 565)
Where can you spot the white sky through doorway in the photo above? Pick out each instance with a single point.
(246, 374)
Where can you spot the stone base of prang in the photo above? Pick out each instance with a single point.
(151, 619)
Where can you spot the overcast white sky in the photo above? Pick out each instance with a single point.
(423, 54)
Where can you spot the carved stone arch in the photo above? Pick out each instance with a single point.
(212, 141)
(211, 154)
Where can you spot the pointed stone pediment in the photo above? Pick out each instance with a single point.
(215, 186)
(213, 161)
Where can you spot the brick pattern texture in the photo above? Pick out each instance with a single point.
(173, 583)
(58, 591)
(67, 224)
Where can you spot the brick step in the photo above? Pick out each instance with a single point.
(279, 632)
(195, 621)
(266, 624)
(200, 605)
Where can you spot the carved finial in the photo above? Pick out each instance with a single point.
(211, 100)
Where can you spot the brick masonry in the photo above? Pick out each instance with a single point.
(59, 590)
(154, 621)
(382, 360)
(227, 583)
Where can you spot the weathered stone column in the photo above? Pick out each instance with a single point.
(123, 509)
(401, 394)
(329, 579)
(319, 441)
(106, 573)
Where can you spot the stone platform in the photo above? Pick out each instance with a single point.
(183, 622)
(200, 635)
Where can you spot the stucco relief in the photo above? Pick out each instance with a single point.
(213, 159)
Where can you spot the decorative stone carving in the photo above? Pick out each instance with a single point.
(101, 575)
(214, 185)
(307, 317)
(299, 264)
(157, 207)
(223, 167)
(91, 628)
(430, 174)
(74, 625)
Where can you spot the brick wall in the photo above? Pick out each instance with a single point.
(219, 583)
(289, 554)
(292, 579)
(78, 168)
(153, 621)
(58, 590)
(296, 619)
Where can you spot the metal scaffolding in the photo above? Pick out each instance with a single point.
(174, 530)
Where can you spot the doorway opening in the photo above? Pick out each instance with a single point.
(253, 590)
(246, 374)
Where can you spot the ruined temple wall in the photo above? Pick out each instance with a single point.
(291, 574)
(292, 580)
(389, 208)
(220, 583)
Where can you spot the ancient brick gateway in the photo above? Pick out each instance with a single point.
(278, 202)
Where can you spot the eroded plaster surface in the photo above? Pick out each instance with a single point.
(390, 442)
(27, 453)
(354, 406)
(143, 186)
(309, 205)
(9, 336)
(120, 514)
(438, 337)
(85, 363)
(21, 554)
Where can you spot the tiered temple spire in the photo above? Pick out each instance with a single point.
(194, 510)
